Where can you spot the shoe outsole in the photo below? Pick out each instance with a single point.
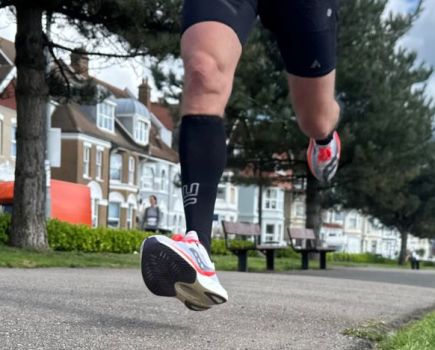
(162, 268)
(166, 273)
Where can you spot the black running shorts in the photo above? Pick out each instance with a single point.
(306, 30)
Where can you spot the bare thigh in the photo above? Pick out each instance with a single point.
(210, 52)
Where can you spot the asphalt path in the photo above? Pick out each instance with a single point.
(111, 309)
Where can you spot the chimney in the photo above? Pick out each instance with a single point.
(145, 93)
(80, 61)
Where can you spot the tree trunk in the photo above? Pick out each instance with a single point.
(403, 247)
(28, 221)
(312, 203)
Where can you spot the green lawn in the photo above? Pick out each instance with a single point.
(418, 335)
(13, 257)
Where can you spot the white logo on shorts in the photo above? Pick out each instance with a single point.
(315, 64)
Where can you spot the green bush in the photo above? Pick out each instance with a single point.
(367, 258)
(287, 253)
(5, 223)
(68, 237)
(218, 247)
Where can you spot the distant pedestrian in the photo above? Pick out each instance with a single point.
(415, 260)
(151, 216)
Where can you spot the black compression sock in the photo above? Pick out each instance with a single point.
(325, 141)
(202, 151)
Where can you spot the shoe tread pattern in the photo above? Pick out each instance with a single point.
(162, 268)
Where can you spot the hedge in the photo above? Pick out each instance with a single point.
(63, 236)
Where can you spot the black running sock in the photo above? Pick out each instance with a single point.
(325, 141)
(202, 151)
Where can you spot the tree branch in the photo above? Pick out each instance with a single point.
(102, 54)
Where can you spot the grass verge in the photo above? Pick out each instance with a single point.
(415, 335)
(13, 257)
(419, 335)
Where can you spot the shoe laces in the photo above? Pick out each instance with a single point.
(324, 154)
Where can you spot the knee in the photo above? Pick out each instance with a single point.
(203, 74)
(318, 120)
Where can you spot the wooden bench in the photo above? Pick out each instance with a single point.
(251, 234)
(304, 241)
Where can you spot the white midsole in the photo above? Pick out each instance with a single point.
(195, 292)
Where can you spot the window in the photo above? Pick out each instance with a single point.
(270, 233)
(300, 210)
(141, 131)
(114, 216)
(271, 198)
(147, 177)
(14, 141)
(131, 170)
(106, 116)
(221, 192)
(86, 160)
(99, 163)
(130, 216)
(353, 221)
(338, 216)
(163, 180)
(115, 167)
(374, 246)
(233, 195)
(95, 208)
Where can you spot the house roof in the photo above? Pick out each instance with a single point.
(8, 48)
(7, 97)
(163, 114)
(70, 118)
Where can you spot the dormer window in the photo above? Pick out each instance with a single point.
(106, 116)
(141, 131)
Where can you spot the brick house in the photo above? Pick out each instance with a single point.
(105, 146)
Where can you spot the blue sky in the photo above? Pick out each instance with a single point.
(129, 73)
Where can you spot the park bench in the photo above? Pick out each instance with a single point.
(303, 241)
(241, 237)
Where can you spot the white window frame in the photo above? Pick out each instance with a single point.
(131, 170)
(221, 189)
(99, 163)
(269, 237)
(270, 203)
(13, 141)
(112, 156)
(117, 219)
(86, 161)
(299, 210)
(95, 213)
(130, 212)
(106, 116)
(147, 181)
(163, 180)
(141, 131)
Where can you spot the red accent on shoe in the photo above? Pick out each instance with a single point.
(324, 154)
(177, 237)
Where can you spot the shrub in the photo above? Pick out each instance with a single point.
(367, 258)
(5, 223)
(218, 247)
(287, 253)
(68, 237)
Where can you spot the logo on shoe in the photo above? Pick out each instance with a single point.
(190, 194)
(198, 259)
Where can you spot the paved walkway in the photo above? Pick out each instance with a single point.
(111, 309)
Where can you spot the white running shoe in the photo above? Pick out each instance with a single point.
(323, 160)
(180, 267)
